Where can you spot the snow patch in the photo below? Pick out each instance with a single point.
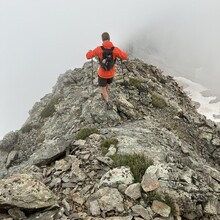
(207, 107)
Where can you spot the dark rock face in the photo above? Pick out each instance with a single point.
(48, 173)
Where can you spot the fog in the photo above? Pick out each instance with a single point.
(185, 40)
(41, 39)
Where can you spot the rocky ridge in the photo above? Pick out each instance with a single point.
(50, 169)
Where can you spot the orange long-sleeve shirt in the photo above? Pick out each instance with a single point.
(97, 52)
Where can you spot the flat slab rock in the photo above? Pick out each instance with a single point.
(25, 192)
(48, 153)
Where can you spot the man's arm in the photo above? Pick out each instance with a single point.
(120, 54)
(93, 53)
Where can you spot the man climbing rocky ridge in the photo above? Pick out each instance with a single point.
(50, 169)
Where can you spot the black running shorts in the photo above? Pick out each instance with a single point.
(103, 82)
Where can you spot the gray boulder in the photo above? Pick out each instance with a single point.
(25, 192)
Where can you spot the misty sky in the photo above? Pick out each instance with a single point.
(40, 39)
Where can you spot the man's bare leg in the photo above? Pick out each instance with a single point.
(106, 96)
(107, 86)
(105, 93)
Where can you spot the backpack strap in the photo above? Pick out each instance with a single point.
(103, 48)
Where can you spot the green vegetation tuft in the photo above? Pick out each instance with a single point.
(167, 199)
(28, 127)
(135, 82)
(171, 203)
(107, 143)
(50, 107)
(137, 163)
(86, 132)
(158, 101)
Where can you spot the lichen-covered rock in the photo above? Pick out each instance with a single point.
(139, 210)
(211, 207)
(161, 208)
(149, 181)
(134, 191)
(105, 200)
(116, 176)
(25, 192)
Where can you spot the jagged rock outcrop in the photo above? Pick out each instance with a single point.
(70, 146)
